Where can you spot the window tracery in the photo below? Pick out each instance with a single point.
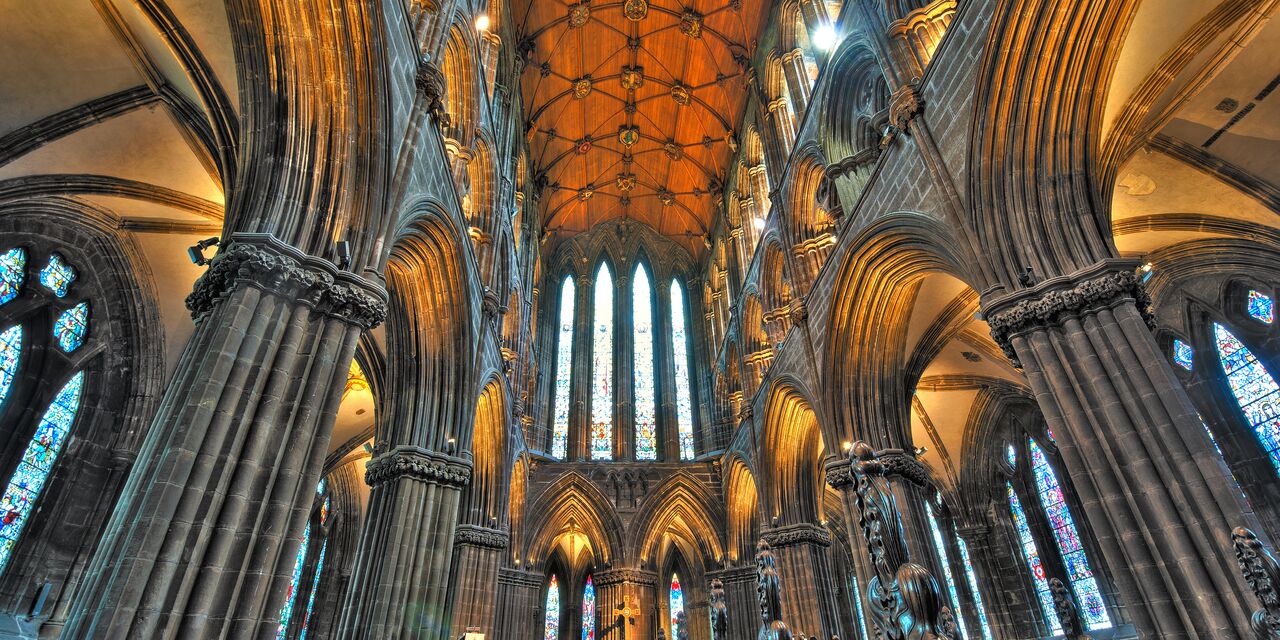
(1031, 554)
(972, 579)
(1254, 389)
(13, 269)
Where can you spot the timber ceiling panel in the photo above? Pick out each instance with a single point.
(632, 107)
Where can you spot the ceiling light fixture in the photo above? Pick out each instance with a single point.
(825, 37)
(482, 23)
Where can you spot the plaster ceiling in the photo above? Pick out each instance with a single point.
(596, 125)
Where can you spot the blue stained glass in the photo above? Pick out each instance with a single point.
(644, 378)
(677, 605)
(940, 547)
(972, 578)
(315, 586)
(1088, 597)
(857, 607)
(36, 464)
(551, 620)
(602, 367)
(57, 275)
(71, 326)
(1032, 555)
(1183, 354)
(1261, 307)
(13, 272)
(680, 352)
(1254, 388)
(589, 610)
(10, 358)
(563, 373)
(320, 487)
(1011, 455)
(291, 596)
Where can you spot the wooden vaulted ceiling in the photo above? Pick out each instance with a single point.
(632, 108)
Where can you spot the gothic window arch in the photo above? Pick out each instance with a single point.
(551, 610)
(563, 374)
(675, 602)
(589, 609)
(308, 569)
(644, 381)
(680, 349)
(602, 400)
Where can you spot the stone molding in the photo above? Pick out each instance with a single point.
(519, 578)
(420, 464)
(735, 576)
(265, 263)
(795, 534)
(865, 157)
(483, 537)
(610, 577)
(1102, 285)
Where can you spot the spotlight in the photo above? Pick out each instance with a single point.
(759, 223)
(482, 22)
(196, 252)
(825, 37)
(344, 255)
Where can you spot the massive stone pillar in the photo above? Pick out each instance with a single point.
(517, 606)
(478, 552)
(399, 588)
(204, 536)
(741, 600)
(808, 598)
(1132, 445)
(625, 600)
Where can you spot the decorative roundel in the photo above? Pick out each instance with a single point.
(626, 181)
(582, 87)
(666, 197)
(680, 94)
(691, 23)
(585, 193)
(628, 136)
(584, 145)
(635, 10)
(632, 77)
(579, 14)
(673, 150)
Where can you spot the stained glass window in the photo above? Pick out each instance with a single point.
(589, 610)
(1011, 455)
(1261, 307)
(680, 353)
(602, 367)
(644, 380)
(944, 558)
(1032, 555)
(315, 586)
(1088, 597)
(677, 605)
(291, 596)
(35, 465)
(13, 271)
(320, 487)
(57, 275)
(551, 624)
(1254, 388)
(324, 510)
(71, 326)
(10, 356)
(972, 578)
(564, 367)
(1183, 354)
(857, 607)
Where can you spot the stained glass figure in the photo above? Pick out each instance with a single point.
(13, 272)
(71, 326)
(1254, 389)
(1183, 354)
(972, 579)
(551, 624)
(1032, 555)
(37, 462)
(676, 600)
(944, 559)
(324, 510)
(589, 610)
(315, 586)
(602, 367)
(563, 373)
(680, 353)
(1088, 597)
(10, 358)
(644, 380)
(291, 596)
(57, 275)
(857, 607)
(1261, 307)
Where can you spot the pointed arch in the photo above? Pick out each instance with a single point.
(644, 348)
(792, 452)
(602, 396)
(573, 498)
(683, 504)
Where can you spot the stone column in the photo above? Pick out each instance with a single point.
(741, 600)
(807, 602)
(477, 554)
(579, 445)
(1132, 444)
(797, 79)
(203, 540)
(399, 586)
(624, 598)
(517, 606)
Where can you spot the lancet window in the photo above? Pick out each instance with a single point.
(308, 569)
(551, 619)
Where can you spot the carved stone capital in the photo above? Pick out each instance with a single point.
(418, 463)
(261, 261)
(430, 84)
(1046, 304)
(904, 105)
(840, 474)
(610, 577)
(889, 463)
(483, 537)
(795, 534)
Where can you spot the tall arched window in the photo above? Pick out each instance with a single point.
(643, 382)
(1253, 387)
(315, 580)
(551, 619)
(1031, 554)
(680, 354)
(972, 579)
(317, 522)
(1088, 597)
(676, 600)
(563, 373)
(940, 547)
(589, 610)
(602, 367)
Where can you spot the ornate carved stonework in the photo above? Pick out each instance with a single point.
(796, 534)
(1065, 606)
(1049, 302)
(430, 84)
(1262, 574)
(769, 590)
(840, 474)
(481, 537)
(719, 612)
(904, 105)
(261, 261)
(417, 463)
(625, 575)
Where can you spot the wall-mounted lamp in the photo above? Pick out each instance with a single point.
(343, 249)
(825, 37)
(482, 22)
(196, 252)
(920, 451)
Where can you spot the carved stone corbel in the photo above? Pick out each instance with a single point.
(430, 85)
